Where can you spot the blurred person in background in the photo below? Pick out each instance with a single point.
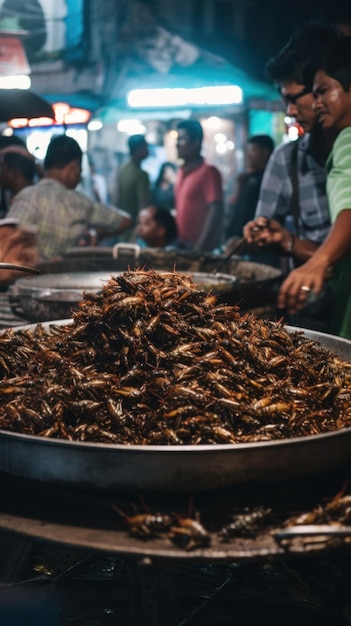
(98, 184)
(156, 228)
(163, 190)
(198, 192)
(17, 169)
(18, 243)
(133, 183)
(5, 198)
(242, 207)
(61, 215)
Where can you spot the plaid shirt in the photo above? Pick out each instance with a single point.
(276, 191)
(61, 216)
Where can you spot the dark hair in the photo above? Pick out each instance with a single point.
(25, 165)
(298, 60)
(263, 141)
(135, 142)
(61, 151)
(193, 128)
(5, 142)
(164, 218)
(336, 61)
(161, 171)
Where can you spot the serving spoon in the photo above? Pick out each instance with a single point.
(234, 250)
(20, 268)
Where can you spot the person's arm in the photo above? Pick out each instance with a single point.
(266, 232)
(213, 194)
(18, 245)
(311, 276)
(109, 221)
(214, 217)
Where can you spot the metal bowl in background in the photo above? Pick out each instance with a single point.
(54, 296)
(255, 287)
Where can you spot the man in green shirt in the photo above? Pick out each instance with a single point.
(133, 184)
(332, 93)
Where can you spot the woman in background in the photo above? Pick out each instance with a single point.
(163, 191)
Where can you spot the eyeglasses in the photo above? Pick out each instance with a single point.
(292, 99)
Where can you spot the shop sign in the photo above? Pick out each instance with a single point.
(13, 58)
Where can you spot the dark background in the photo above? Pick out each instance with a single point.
(266, 26)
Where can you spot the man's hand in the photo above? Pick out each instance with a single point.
(301, 282)
(265, 232)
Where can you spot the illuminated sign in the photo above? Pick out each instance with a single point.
(64, 115)
(198, 96)
(13, 59)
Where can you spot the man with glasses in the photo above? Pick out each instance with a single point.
(293, 189)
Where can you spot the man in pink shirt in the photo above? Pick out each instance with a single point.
(198, 192)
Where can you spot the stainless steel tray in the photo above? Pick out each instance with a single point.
(177, 468)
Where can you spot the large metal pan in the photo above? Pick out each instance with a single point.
(53, 296)
(177, 468)
(255, 285)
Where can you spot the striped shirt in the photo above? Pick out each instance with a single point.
(61, 216)
(276, 191)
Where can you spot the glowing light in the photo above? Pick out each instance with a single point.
(19, 122)
(7, 132)
(230, 145)
(40, 121)
(37, 143)
(61, 109)
(95, 125)
(288, 119)
(80, 135)
(220, 137)
(213, 122)
(221, 148)
(131, 127)
(224, 94)
(15, 82)
(293, 133)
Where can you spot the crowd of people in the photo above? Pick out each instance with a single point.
(292, 201)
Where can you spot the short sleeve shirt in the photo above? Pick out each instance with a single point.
(339, 194)
(61, 216)
(339, 174)
(194, 192)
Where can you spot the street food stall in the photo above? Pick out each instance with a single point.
(161, 427)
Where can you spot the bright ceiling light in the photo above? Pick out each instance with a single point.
(131, 127)
(220, 137)
(213, 122)
(95, 125)
(15, 82)
(221, 148)
(146, 98)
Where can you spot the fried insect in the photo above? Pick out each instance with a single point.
(189, 533)
(245, 523)
(145, 525)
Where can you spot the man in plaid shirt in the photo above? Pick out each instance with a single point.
(61, 215)
(296, 170)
